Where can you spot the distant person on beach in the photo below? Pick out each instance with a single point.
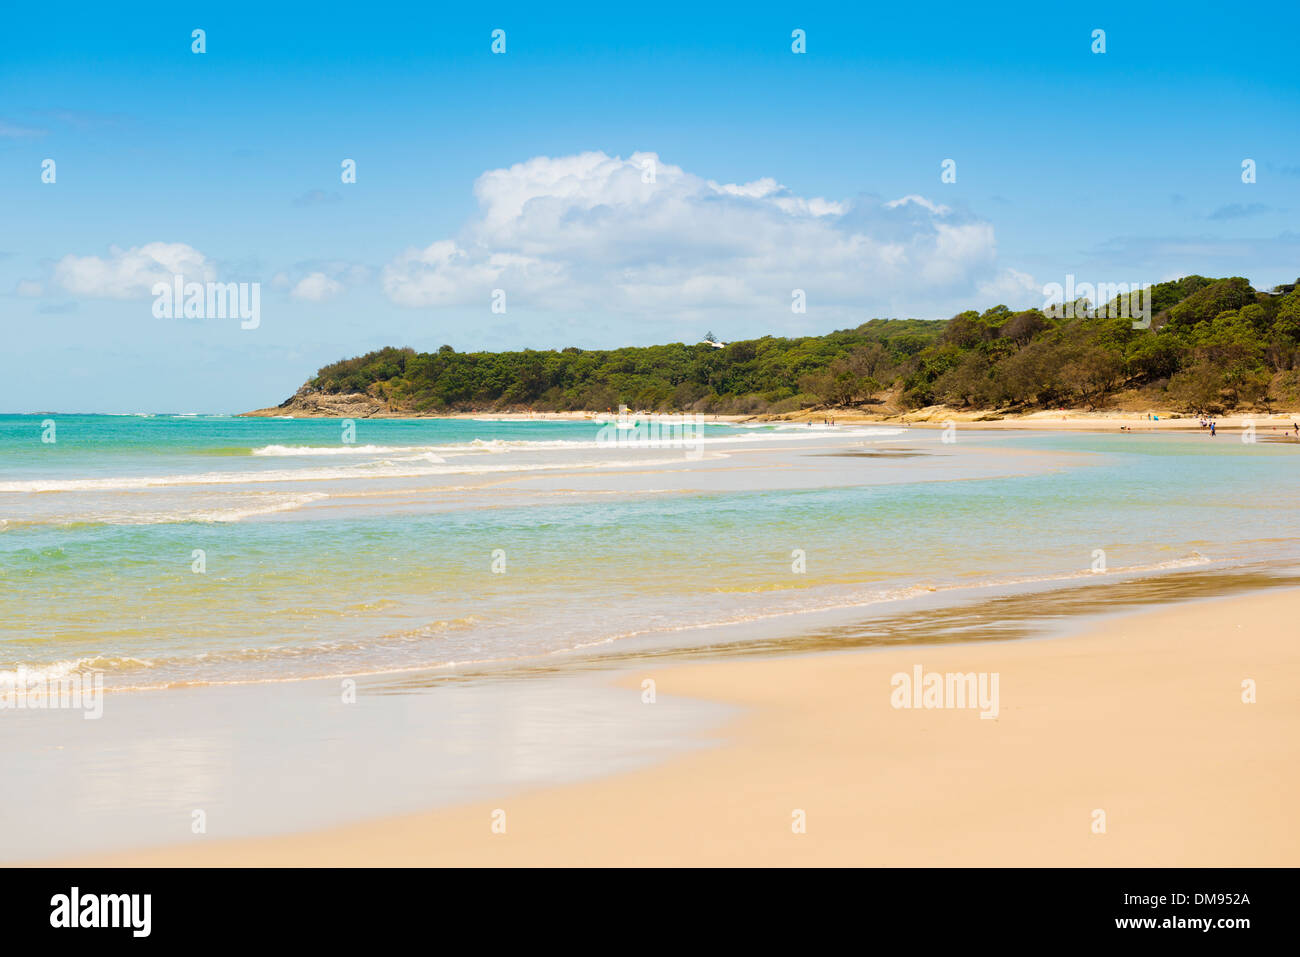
(1211, 428)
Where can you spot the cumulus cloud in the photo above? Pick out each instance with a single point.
(646, 237)
(316, 287)
(131, 273)
(316, 280)
(936, 208)
(1013, 288)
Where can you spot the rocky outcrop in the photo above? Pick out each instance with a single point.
(309, 403)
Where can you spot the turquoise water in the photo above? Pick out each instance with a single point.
(435, 542)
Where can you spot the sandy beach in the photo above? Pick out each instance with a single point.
(1266, 425)
(727, 438)
(1276, 424)
(1279, 426)
(1269, 427)
(1141, 717)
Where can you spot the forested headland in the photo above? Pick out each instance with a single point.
(1212, 346)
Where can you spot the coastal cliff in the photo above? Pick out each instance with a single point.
(308, 402)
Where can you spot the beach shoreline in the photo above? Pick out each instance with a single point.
(472, 626)
(1275, 424)
(1141, 717)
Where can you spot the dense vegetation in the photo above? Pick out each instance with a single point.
(1213, 345)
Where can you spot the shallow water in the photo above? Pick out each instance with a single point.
(182, 550)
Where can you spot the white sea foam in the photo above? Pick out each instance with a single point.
(526, 445)
(38, 673)
(57, 670)
(294, 451)
(372, 470)
(268, 504)
(412, 461)
(232, 513)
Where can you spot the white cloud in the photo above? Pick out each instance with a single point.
(937, 208)
(30, 289)
(316, 287)
(131, 273)
(315, 280)
(1012, 288)
(588, 232)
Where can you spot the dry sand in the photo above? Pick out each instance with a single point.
(1267, 426)
(1277, 425)
(1141, 717)
(1069, 420)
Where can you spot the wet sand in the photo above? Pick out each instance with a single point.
(1140, 718)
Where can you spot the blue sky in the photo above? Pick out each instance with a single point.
(524, 172)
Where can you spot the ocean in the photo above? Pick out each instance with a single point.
(175, 550)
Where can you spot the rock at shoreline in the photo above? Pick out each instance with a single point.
(307, 402)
